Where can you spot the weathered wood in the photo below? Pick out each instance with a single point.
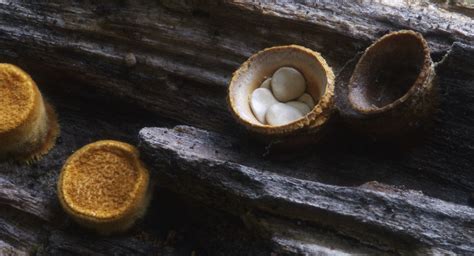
(348, 159)
(30, 215)
(24, 200)
(186, 51)
(7, 249)
(234, 174)
(33, 223)
(207, 167)
(452, 122)
(17, 236)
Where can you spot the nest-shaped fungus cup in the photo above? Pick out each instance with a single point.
(319, 79)
(105, 186)
(28, 125)
(392, 87)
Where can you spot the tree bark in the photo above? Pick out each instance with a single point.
(114, 67)
(186, 51)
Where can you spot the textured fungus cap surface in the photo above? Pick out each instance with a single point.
(104, 182)
(319, 82)
(28, 125)
(17, 98)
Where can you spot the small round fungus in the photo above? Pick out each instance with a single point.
(303, 108)
(262, 99)
(281, 114)
(307, 99)
(288, 84)
(28, 125)
(267, 84)
(105, 186)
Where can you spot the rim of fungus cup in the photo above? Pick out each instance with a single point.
(138, 192)
(312, 119)
(422, 77)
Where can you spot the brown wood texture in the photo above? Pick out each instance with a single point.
(114, 67)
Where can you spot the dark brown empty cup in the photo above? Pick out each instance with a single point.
(391, 90)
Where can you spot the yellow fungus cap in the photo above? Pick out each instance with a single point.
(28, 125)
(105, 186)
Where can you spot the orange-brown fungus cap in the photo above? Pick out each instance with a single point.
(28, 125)
(105, 186)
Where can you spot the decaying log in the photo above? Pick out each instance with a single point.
(236, 176)
(102, 64)
(24, 200)
(186, 51)
(452, 122)
(30, 216)
(33, 223)
(207, 167)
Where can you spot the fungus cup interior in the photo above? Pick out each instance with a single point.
(263, 64)
(387, 71)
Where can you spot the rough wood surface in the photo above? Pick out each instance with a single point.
(405, 212)
(207, 167)
(175, 58)
(186, 51)
(33, 223)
